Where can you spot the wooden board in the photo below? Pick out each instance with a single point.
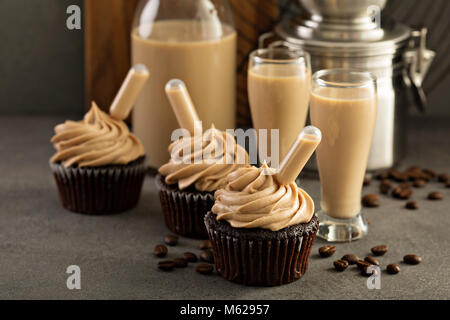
(107, 48)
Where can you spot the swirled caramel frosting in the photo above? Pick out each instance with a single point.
(97, 140)
(254, 199)
(204, 161)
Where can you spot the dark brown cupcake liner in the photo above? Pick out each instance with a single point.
(103, 190)
(184, 211)
(258, 257)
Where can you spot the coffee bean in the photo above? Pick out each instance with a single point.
(429, 172)
(204, 268)
(435, 195)
(340, 265)
(361, 264)
(447, 185)
(190, 257)
(393, 268)
(365, 270)
(398, 176)
(366, 181)
(327, 251)
(372, 260)
(401, 193)
(385, 186)
(207, 256)
(205, 244)
(405, 185)
(180, 262)
(412, 259)
(379, 250)
(414, 169)
(350, 258)
(382, 176)
(160, 251)
(411, 205)
(386, 182)
(443, 177)
(371, 200)
(166, 265)
(171, 240)
(419, 183)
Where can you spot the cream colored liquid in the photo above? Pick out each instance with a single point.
(347, 122)
(175, 49)
(279, 98)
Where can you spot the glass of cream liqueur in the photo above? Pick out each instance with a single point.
(279, 81)
(344, 107)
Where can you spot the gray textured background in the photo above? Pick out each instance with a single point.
(41, 61)
(39, 239)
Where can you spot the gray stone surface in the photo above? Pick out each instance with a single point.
(39, 239)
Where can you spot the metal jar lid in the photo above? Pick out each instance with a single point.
(390, 38)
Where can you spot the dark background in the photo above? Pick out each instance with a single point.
(41, 61)
(42, 65)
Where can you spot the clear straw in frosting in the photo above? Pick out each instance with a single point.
(182, 106)
(129, 92)
(299, 153)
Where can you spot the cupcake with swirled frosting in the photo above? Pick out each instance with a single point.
(262, 231)
(99, 166)
(199, 166)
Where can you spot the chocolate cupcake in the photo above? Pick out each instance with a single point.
(262, 231)
(99, 166)
(198, 167)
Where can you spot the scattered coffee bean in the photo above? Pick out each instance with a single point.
(419, 183)
(366, 181)
(393, 268)
(207, 256)
(371, 200)
(435, 195)
(447, 185)
(171, 240)
(398, 176)
(402, 193)
(204, 268)
(382, 176)
(327, 251)
(190, 257)
(443, 177)
(361, 264)
(205, 244)
(365, 270)
(166, 265)
(372, 260)
(411, 205)
(385, 186)
(429, 172)
(160, 251)
(412, 259)
(414, 168)
(180, 262)
(340, 265)
(405, 185)
(379, 250)
(350, 258)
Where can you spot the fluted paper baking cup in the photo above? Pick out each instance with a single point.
(184, 211)
(257, 257)
(103, 190)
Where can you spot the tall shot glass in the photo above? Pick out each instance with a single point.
(344, 107)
